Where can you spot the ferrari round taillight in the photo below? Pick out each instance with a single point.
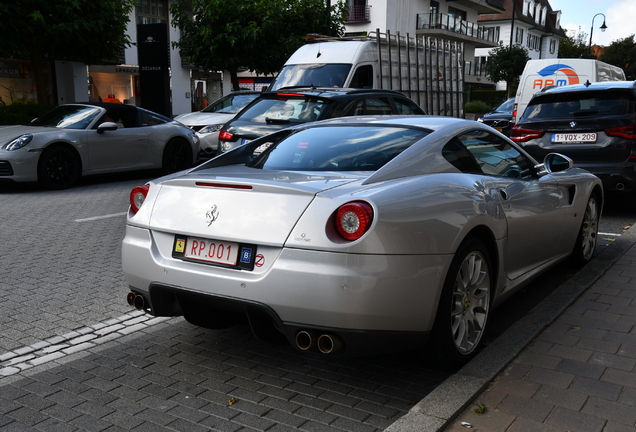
(137, 197)
(353, 219)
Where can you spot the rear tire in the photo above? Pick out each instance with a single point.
(177, 156)
(464, 306)
(58, 168)
(588, 233)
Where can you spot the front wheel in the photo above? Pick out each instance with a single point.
(58, 168)
(588, 233)
(464, 305)
(177, 156)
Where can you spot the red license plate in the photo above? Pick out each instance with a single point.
(211, 250)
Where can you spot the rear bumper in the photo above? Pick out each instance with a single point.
(615, 176)
(353, 293)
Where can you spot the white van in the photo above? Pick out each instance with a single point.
(559, 72)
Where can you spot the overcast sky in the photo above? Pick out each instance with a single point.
(576, 16)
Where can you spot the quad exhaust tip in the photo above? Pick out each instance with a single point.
(326, 343)
(137, 301)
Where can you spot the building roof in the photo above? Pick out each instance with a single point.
(552, 16)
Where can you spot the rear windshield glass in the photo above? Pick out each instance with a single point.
(605, 103)
(312, 75)
(286, 109)
(338, 148)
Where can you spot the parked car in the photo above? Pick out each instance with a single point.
(594, 124)
(207, 122)
(501, 117)
(358, 235)
(286, 107)
(80, 139)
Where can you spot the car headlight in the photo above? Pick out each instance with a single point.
(19, 142)
(210, 128)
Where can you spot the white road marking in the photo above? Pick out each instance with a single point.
(100, 217)
(609, 234)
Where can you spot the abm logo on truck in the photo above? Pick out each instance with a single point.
(569, 72)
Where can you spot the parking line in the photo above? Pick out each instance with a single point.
(609, 234)
(100, 217)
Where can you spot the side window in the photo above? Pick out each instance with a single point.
(378, 106)
(363, 77)
(495, 156)
(406, 106)
(455, 153)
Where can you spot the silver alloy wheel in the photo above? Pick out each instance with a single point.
(589, 229)
(470, 302)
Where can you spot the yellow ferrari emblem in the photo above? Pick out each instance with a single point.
(180, 246)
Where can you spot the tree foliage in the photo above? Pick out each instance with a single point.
(255, 34)
(89, 31)
(506, 63)
(574, 46)
(622, 53)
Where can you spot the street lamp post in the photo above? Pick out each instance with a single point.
(603, 27)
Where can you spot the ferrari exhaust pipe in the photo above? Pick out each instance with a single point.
(136, 300)
(328, 344)
(305, 340)
(620, 186)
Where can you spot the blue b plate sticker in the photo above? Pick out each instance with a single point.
(246, 255)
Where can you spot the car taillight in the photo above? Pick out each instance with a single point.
(514, 112)
(627, 132)
(137, 197)
(353, 219)
(520, 134)
(225, 135)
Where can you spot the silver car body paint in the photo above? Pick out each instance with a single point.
(391, 278)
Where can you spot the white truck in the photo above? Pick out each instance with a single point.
(560, 71)
(428, 70)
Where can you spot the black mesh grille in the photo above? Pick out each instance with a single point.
(5, 168)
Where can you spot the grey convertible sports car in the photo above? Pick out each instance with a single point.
(93, 138)
(358, 235)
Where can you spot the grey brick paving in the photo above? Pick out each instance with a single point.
(584, 365)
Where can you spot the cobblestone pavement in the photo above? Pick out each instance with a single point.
(579, 373)
(75, 356)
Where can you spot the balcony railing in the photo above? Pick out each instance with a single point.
(457, 25)
(358, 14)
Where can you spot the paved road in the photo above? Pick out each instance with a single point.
(74, 356)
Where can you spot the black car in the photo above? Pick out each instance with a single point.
(594, 124)
(501, 117)
(280, 109)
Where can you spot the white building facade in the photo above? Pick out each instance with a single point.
(531, 24)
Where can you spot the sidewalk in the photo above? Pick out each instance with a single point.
(568, 365)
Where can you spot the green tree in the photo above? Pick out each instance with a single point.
(89, 31)
(506, 63)
(622, 53)
(257, 34)
(574, 46)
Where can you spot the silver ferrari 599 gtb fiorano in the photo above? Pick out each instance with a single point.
(359, 234)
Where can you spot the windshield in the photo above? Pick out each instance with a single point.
(230, 104)
(285, 109)
(312, 75)
(338, 148)
(506, 106)
(603, 103)
(68, 117)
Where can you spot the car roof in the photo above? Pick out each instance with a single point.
(588, 86)
(330, 92)
(422, 121)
